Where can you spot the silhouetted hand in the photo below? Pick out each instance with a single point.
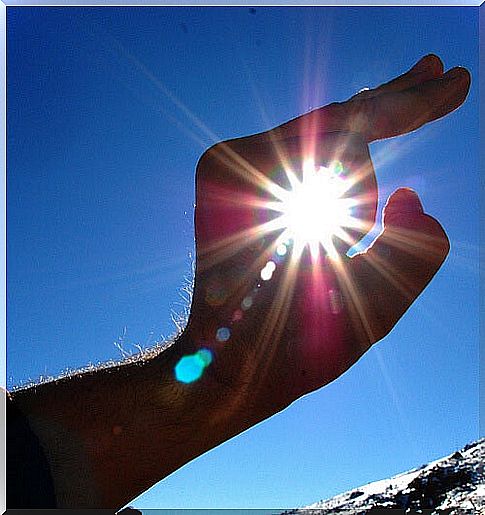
(281, 330)
(277, 319)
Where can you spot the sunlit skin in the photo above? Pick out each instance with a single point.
(259, 335)
(294, 339)
(305, 208)
(316, 209)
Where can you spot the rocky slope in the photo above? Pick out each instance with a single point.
(452, 485)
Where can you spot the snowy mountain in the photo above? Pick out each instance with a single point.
(452, 485)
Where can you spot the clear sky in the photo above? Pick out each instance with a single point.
(108, 112)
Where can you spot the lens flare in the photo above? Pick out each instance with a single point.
(223, 334)
(316, 211)
(281, 249)
(190, 368)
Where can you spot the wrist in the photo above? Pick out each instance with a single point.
(244, 389)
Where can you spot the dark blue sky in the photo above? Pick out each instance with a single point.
(108, 112)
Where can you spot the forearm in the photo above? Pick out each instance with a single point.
(112, 433)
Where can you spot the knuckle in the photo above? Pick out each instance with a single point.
(208, 156)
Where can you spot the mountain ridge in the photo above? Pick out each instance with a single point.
(452, 485)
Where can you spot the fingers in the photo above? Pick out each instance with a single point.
(427, 68)
(420, 96)
(398, 266)
(396, 113)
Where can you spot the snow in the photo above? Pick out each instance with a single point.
(455, 483)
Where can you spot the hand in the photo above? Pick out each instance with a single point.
(275, 340)
(270, 336)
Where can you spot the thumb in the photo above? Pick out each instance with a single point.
(398, 266)
(414, 243)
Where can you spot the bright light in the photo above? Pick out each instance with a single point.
(315, 211)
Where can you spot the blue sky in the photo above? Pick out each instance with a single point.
(108, 112)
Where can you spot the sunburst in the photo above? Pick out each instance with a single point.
(316, 211)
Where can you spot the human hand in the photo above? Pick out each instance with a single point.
(271, 334)
(277, 335)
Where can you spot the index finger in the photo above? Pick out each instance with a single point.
(385, 115)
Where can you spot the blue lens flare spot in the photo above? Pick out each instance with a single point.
(189, 368)
(205, 355)
(223, 334)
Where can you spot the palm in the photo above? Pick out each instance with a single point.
(312, 318)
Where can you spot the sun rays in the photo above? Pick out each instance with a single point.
(316, 211)
(308, 208)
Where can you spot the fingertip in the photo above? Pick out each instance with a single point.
(402, 203)
(435, 63)
(457, 85)
(461, 79)
(418, 232)
(459, 75)
(430, 62)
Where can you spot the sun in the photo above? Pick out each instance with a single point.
(315, 212)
